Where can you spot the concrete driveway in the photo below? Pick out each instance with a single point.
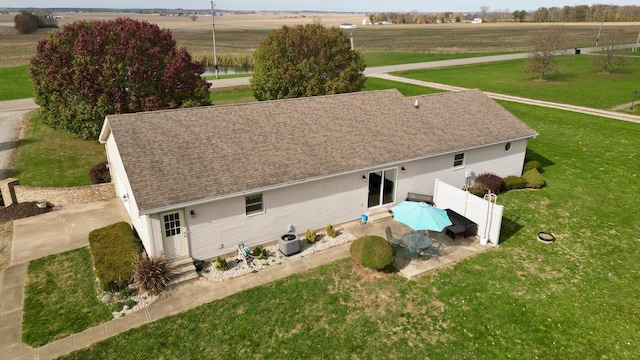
(11, 125)
(62, 230)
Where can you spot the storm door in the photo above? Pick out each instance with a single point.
(174, 237)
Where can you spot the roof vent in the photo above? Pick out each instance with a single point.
(417, 104)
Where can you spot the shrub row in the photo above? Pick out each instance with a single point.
(494, 183)
(114, 249)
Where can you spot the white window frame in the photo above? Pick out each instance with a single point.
(459, 163)
(255, 203)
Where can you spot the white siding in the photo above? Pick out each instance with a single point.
(219, 226)
(311, 205)
(122, 186)
(421, 175)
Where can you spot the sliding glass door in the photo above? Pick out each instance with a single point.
(382, 187)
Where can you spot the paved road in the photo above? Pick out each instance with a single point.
(11, 125)
(371, 71)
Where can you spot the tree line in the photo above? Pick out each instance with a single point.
(577, 13)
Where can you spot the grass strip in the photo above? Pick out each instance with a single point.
(60, 297)
(55, 158)
(15, 83)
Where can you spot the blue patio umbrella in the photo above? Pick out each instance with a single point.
(421, 216)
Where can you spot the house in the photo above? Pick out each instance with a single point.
(197, 181)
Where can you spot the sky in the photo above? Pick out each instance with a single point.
(313, 5)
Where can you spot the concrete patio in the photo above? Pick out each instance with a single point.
(452, 251)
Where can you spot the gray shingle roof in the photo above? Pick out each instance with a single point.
(179, 156)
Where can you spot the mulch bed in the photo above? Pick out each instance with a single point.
(21, 210)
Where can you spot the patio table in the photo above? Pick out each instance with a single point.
(417, 240)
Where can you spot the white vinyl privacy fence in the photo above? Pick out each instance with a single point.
(484, 212)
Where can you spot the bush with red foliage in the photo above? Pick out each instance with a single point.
(99, 174)
(91, 69)
(488, 182)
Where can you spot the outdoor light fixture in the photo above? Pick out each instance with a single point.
(403, 169)
(193, 214)
(364, 178)
(125, 197)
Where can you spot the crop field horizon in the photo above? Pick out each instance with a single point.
(242, 34)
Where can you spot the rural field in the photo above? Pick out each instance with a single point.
(241, 34)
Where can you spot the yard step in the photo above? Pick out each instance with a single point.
(184, 270)
(378, 214)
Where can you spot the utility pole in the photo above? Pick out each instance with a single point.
(604, 14)
(213, 27)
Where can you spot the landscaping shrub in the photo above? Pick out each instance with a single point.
(260, 252)
(311, 236)
(152, 274)
(534, 179)
(114, 249)
(488, 182)
(373, 252)
(476, 192)
(131, 303)
(513, 182)
(221, 264)
(126, 292)
(533, 164)
(99, 174)
(331, 232)
(117, 307)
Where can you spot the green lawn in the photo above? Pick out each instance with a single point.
(15, 83)
(404, 88)
(60, 297)
(578, 81)
(233, 95)
(55, 158)
(575, 298)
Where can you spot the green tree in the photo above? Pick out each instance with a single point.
(519, 15)
(306, 60)
(26, 23)
(94, 68)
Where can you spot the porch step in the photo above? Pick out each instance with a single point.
(378, 214)
(183, 270)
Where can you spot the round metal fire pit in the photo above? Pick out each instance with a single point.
(545, 237)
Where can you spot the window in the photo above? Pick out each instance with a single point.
(253, 204)
(172, 224)
(458, 160)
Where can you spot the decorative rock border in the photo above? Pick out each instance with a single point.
(546, 237)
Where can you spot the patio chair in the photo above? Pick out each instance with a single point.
(411, 253)
(434, 251)
(391, 239)
(244, 254)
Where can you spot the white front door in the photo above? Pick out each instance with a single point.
(174, 236)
